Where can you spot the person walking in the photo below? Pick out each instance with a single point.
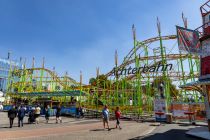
(21, 115)
(12, 113)
(31, 116)
(47, 113)
(58, 114)
(105, 116)
(37, 114)
(117, 116)
(1, 107)
(81, 112)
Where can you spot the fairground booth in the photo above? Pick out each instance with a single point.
(198, 42)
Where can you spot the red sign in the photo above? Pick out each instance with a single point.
(205, 65)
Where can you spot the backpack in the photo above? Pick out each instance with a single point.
(12, 113)
(21, 112)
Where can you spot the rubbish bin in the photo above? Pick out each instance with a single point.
(169, 117)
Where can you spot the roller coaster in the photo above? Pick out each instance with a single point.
(185, 69)
(35, 83)
(134, 92)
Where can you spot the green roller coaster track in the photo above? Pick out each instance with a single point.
(133, 93)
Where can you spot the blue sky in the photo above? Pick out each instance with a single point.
(76, 35)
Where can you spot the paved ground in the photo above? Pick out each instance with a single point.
(91, 129)
(71, 128)
(169, 132)
(201, 132)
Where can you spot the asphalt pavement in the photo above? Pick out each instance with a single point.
(169, 132)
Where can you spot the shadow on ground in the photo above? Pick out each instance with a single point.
(102, 129)
(6, 127)
(173, 134)
(185, 125)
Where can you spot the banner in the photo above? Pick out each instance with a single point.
(188, 40)
(160, 107)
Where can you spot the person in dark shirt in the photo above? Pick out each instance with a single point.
(47, 113)
(58, 114)
(81, 112)
(21, 115)
(12, 113)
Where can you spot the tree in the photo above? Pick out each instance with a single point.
(101, 81)
(92, 81)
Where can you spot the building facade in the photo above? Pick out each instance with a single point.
(6, 65)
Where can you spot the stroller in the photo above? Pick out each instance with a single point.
(31, 118)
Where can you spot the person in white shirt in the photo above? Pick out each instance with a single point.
(37, 114)
(1, 107)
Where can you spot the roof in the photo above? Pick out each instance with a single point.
(196, 85)
(51, 94)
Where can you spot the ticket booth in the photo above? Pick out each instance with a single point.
(203, 84)
(205, 56)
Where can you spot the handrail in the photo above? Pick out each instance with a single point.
(202, 9)
(201, 33)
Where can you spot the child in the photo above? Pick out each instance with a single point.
(117, 115)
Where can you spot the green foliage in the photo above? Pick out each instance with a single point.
(92, 81)
(154, 88)
(122, 84)
(101, 81)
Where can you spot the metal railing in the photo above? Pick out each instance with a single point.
(202, 29)
(205, 8)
